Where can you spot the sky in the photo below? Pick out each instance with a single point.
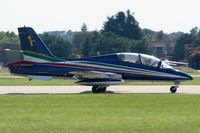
(49, 15)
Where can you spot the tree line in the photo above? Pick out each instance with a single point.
(120, 33)
(192, 38)
(8, 38)
(188, 47)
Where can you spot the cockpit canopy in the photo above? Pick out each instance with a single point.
(143, 59)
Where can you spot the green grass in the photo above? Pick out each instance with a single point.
(188, 70)
(26, 82)
(69, 82)
(100, 113)
(4, 72)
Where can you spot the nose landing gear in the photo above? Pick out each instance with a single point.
(174, 88)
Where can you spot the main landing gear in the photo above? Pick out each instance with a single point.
(174, 88)
(98, 89)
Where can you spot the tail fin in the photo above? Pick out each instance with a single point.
(30, 41)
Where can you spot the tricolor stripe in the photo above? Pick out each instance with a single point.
(51, 61)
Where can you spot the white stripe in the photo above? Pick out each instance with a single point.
(141, 71)
(34, 59)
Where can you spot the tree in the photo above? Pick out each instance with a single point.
(123, 24)
(132, 29)
(197, 41)
(160, 35)
(194, 31)
(87, 48)
(80, 39)
(179, 49)
(195, 61)
(108, 42)
(140, 46)
(9, 38)
(58, 46)
(95, 43)
(84, 27)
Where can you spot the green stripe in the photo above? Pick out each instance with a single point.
(43, 57)
(123, 67)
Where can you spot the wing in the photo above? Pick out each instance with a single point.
(97, 78)
(95, 75)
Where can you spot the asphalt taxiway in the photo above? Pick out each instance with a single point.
(185, 89)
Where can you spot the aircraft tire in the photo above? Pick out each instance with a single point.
(173, 89)
(103, 89)
(98, 89)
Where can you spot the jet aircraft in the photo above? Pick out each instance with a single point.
(98, 72)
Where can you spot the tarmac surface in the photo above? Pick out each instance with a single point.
(183, 89)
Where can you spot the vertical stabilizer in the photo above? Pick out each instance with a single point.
(31, 42)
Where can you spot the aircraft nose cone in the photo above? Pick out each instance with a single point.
(188, 77)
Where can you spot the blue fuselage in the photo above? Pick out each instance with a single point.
(107, 63)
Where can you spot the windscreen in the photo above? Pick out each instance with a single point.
(165, 65)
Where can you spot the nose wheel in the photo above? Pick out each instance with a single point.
(174, 88)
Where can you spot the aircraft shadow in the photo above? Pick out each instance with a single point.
(90, 92)
(85, 92)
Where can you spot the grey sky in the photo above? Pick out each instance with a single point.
(48, 15)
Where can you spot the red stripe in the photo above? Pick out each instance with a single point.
(24, 62)
(21, 62)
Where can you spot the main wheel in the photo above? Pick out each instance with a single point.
(98, 89)
(103, 89)
(173, 89)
